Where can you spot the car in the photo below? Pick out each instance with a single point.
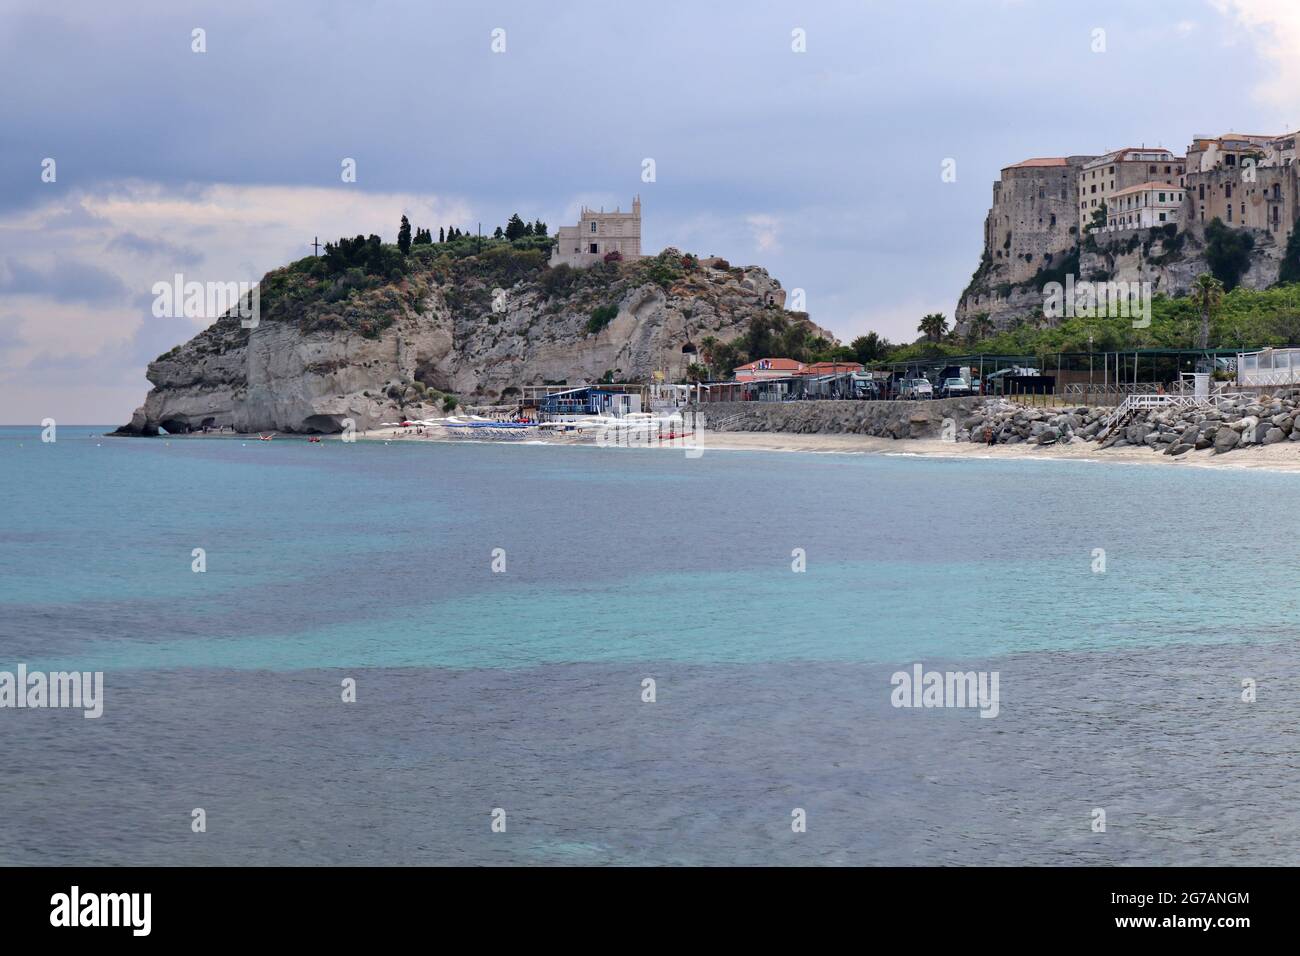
(869, 390)
(952, 387)
(915, 388)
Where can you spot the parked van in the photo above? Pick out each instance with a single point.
(915, 388)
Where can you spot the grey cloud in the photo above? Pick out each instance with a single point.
(70, 280)
(152, 248)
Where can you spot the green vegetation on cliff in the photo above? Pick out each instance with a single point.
(1244, 318)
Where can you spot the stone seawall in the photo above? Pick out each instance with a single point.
(899, 419)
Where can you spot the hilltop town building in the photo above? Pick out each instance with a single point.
(1231, 150)
(1143, 207)
(1107, 175)
(597, 234)
(1244, 181)
(1033, 218)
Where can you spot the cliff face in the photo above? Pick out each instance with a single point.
(1169, 263)
(330, 347)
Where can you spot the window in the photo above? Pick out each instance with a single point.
(593, 229)
(1162, 217)
(593, 245)
(1153, 169)
(1202, 188)
(1162, 199)
(1229, 213)
(1168, 169)
(1227, 190)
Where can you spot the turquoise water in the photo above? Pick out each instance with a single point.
(374, 561)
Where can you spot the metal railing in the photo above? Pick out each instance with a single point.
(1137, 403)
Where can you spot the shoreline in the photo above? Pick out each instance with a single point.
(1281, 457)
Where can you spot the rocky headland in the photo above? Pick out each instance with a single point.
(394, 336)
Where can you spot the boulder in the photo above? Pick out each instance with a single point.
(1225, 439)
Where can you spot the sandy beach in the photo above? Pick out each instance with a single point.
(1283, 456)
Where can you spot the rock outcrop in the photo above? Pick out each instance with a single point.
(469, 330)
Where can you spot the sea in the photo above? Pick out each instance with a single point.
(488, 654)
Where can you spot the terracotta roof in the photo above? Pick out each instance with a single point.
(1044, 161)
(772, 364)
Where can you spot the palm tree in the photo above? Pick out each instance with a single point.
(1207, 295)
(709, 351)
(979, 328)
(933, 326)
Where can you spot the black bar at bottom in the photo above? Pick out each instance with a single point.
(333, 906)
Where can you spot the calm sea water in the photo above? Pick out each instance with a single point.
(522, 690)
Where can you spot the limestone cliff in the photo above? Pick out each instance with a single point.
(1170, 263)
(332, 345)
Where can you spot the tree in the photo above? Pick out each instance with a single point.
(709, 352)
(515, 227)
(869, 348)
(933, 326)
(1207, 294)
(1290, 271)
(1227, 252)
(498, 234)
(1098, 220)
(980, 327)
(422, 238)
(442, 236)
(404, 236)
(539, 228)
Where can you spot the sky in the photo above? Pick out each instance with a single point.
(807, 137)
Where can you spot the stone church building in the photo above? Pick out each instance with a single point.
(597, 234)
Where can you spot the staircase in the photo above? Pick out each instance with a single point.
(1134, 404)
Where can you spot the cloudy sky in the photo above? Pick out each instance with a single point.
(823, 166)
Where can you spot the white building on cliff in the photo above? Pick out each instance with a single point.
(597, 234)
